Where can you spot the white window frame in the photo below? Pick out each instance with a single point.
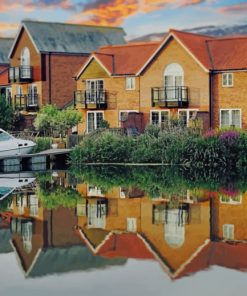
(131, 224)
(95, 123)
(187, 114)
(226, 228)
(124, 111)
(231, 200)
(130, 83)
(159, 111)
(232, 109)
(96, 191)
(31, 87)
(227, 74)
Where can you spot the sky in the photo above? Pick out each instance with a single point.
(137, 17)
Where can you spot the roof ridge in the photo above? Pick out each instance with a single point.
(131, 44)
(71, 24)
(228, 38)
(7, 38)
(191, 33)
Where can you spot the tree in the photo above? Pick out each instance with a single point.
(7, 116)
(54, 122)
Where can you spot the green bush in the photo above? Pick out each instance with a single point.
(105, 147)
(224, 149)
(42, 143)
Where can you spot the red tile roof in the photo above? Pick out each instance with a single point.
(228, 53)
(124, 59)
(223, 254)
(212, 53)
(4, 77)
(196, 44)
(125, 245)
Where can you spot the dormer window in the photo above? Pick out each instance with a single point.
(25, 57)
(227, 79)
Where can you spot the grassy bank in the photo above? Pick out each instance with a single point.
(176, 146)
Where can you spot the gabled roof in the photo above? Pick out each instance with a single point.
(228, 255)
(122, 59)
(69, 38)
(210, 53)
(5, 45)
(194, 44)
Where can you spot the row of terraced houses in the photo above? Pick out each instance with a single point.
(185, 75)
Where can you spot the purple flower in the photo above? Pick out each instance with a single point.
(229, 137)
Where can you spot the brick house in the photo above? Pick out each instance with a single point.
(178, 77)
(5, 88)
(44, 57)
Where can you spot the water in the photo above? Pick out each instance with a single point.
(123, 231)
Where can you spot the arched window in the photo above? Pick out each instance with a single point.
(174, 229)
(173, 80)
(25, 57)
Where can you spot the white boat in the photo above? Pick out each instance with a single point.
(10, 145)
(10, 182)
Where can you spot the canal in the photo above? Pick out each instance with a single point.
(123, 231)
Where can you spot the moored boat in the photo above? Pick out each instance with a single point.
(10, 145)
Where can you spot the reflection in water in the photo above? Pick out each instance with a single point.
(62, 223)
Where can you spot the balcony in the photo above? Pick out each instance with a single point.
(28, 102)
(170, 97)
(21, 74)
(90, 100)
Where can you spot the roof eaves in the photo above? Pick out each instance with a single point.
(22, 26)
(170, 35)
(88, 62)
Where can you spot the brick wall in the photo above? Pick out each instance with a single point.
(234, 97)
(62, 69)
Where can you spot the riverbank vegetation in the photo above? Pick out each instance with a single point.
(174, 146)
(162, 181)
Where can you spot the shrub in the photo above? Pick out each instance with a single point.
(42, 143)
(104, 147)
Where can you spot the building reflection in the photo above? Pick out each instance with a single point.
(185, 232)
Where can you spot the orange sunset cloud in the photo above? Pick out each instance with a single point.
(113, 12)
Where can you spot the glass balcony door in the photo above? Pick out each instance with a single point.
(94, 91)
(32, 95)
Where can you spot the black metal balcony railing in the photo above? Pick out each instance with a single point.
(90, 100)
(21, 74)
(170, 97)
(26, 102)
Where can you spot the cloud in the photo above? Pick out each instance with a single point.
(114, 12)
(31, 5)
(8, 29)
(238, 8)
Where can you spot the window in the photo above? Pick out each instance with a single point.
(32, 95)
(94, 191)
(19, 90)
(130, 83)
(95, 91)
(228, 231)
(227, 79)
(230, 117)
(173, 80)
(186, 115)
(233, 200)
(94, 120)
(160, 118)
(25, 57)
(33, 205)
(131, 224)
